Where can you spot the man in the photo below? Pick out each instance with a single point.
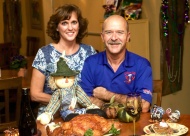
(117, 71)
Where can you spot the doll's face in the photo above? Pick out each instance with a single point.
(64, 82)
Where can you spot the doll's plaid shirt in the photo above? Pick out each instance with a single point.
(61, 99)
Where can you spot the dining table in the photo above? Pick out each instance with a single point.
(127, 128)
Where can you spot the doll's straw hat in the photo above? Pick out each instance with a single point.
(63, 69)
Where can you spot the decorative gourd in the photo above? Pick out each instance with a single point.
(117, 110)
(111, 108)
(123, 116)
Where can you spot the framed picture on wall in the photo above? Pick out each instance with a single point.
(36, 14)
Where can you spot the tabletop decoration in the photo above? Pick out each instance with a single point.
(156, 113)
(129, 9)
(11, 132)
(173, 116)
(17, 62)
(111, 108)
(123, 116)
(133, 108)
(117, 110)
(67, 95)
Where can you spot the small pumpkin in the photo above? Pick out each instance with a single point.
(123, 116)
(117, 110)
(111, 108)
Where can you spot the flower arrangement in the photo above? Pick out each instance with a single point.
(129, 9)
(17, 62)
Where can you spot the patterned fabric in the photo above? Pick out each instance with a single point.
(46, 62)
(64, 114)
(82, 97)
(61, 98)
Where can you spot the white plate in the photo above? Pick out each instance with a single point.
(181, 129)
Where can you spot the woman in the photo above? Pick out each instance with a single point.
(66, 27)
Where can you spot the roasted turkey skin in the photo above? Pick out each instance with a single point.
(81, 123)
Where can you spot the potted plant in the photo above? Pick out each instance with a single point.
(18, 62)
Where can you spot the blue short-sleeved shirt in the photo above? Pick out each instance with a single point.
(47, 57)
(133, 75)
(46, 62)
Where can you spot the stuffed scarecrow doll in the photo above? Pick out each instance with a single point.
(68, 96)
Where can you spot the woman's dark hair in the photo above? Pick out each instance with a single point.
(64, 13)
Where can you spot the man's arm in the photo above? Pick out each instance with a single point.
(145, 106)
(104, 95)
(97, 101)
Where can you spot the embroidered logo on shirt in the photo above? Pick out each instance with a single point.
(147, 91)
(129, 77)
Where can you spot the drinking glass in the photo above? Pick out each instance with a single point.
(133, 107)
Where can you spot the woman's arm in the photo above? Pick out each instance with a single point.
(37, 86)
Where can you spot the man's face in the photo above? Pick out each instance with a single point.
(115, 35)
(64, 82)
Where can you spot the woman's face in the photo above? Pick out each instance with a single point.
(68, 29)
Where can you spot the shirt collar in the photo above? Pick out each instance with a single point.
(129, 60)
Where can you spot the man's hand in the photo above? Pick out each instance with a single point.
(97, 101)
(100, 93)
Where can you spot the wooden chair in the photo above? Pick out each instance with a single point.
(32, 45)
(7, 86)
(157, 89)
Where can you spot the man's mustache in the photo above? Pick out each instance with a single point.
(114, 43)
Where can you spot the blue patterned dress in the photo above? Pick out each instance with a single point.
(46, 62)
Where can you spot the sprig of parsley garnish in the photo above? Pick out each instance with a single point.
(88, 132)
(114, 131)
